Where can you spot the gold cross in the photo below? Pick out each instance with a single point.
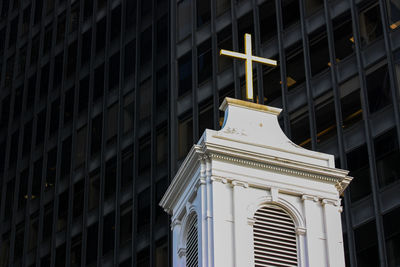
(249, 63)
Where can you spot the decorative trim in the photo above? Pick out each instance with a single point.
(309, 197)
(251, 221)
(328, 201)
(275, 168)
(240, 183)
(275, 194)
(300, 230)
(250, 105)
(181, 252)
(174, 223)
(219, 179)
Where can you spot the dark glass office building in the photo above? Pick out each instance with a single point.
(100, 100)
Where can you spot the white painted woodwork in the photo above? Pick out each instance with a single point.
(249, 171)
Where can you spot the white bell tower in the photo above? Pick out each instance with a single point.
(247, 196)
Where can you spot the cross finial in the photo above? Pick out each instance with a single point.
(249, 63)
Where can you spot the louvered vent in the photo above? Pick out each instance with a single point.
(274, 238)
(191, 245)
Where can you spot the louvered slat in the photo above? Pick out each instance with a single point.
(275, 242)
(192, 244)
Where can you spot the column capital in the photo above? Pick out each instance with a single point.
(309, 197)
(240, 183)
(219, 179)
(175, 222)
(330, 201)
(251, 221)
(300, 230)
(181, 252)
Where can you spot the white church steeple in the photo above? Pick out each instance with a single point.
(247, 196)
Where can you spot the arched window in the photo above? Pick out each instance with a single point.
(192, 243)
(275, 242)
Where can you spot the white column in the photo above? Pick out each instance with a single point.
(333, 230)
(301, 246)
(210, 230)
(178, 257)
(314, 251)
(222, 222)
(203, 216)
(241, 237)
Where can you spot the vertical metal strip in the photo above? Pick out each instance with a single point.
(282, 63)
(257, 39)
(307, 64)
(119, 136)
(195, 105)
(153, 132)
(394, 86)
(136, 132)
(339, 129)
(215, 55)
(85, 224)
(238, 92)
(20, 141)
(103, 138)
(173, 127)
(59, 140)
(367, 126)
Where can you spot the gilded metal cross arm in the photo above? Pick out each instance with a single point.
(249, 58)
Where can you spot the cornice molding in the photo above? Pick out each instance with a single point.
(279, 169)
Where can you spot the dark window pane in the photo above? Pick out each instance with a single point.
(391, 222)
(62, 211)
(130, 58)
(96, 134)
(185, 74)
(145, 46)
(184, 18)
(145, 93)
(290, 12)
(91, 249)
(125, 225)
(185, 137)
(357, 163)
(69, 105)
(98, 89)
(128, 112)
(343, 35)
(116, 23)
(366, 245)
(387, 157)
(204, 61)
(112, 123)
(312, 6)
(295, 65)
(113, 79)
(378, 89)
(94, 189)
(319, 56)
(300, 129)
(203, 12)
(83, 94)
(110, 178)
(66, 157)
(86, 47)
(80, 147)
(267, 21)
(224, 38)
(108, 233)
(101, 35)
(79, 188)
(143, 212)
(370, 22)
